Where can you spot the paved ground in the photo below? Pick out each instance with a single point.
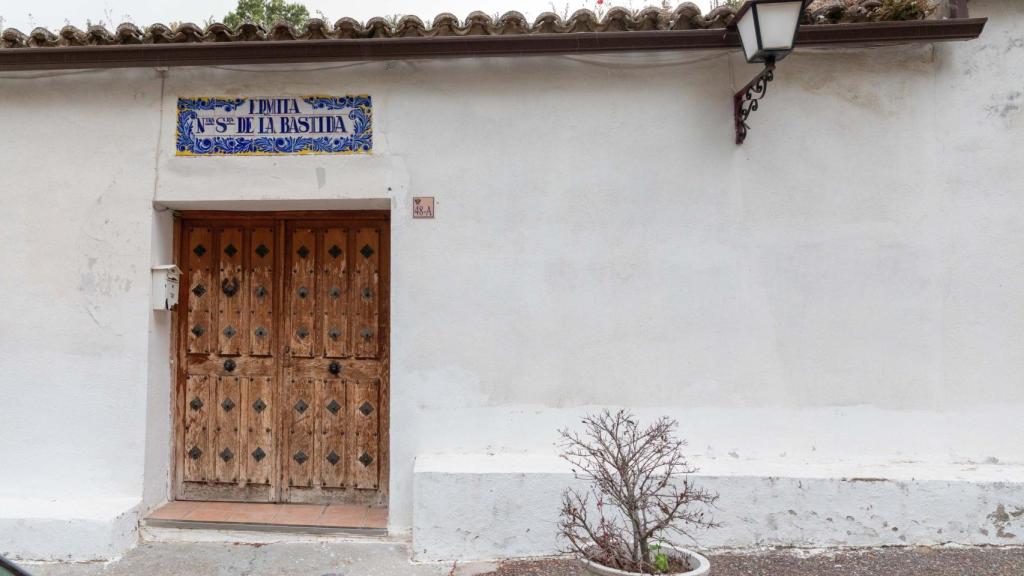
(889, 562)
(389, 559)
(280, 559)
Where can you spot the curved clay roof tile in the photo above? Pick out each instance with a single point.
(71, 36)
(99, 36)
(282, 30)
(347, 28)
(128, 33)
(14, 38)
(377, 27)
(687, 16)
(158, 34)
(445, 24)
(219, 32)
(548, 23)
(41, 37)
(477, 24)
(512, 22)
(827, 11)
(618, 19)
(719, 17)
(188, 32)
(652, 18)
(582, 20)
(315, 29)
(411, 26)
(249, 31)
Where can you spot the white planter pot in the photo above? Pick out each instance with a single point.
(693, 559)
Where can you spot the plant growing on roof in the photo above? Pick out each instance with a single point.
(639, 495)
(266, 12)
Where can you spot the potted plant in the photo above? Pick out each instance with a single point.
(639, 498)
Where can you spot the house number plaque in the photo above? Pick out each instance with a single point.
(423, 207)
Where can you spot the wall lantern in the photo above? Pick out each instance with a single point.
(767, 29)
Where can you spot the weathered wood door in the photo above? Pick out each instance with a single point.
(282, 390)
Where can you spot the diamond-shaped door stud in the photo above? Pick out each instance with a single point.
(198, 331)
(366, 251)
(334, 406)
(334, 251)
(301, 406)
(259, 405)
(230, 331)
(300, 457)
(367, 334)
(199, 250)
(230, 250)
(196, 403)
(303, 251)
(302, 333)
(367, 293)
(333, 458)
(199, 290)
(195, 453)
(335, 292)
(334, 333)
(227, 404)
(261, 332)
(365, 459)
(226, 454)
(258, 454)
(230, 365)
(262, 251)
(261, 291)
(366, 408)
(303, 292)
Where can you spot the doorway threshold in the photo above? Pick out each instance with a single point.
(288, 518)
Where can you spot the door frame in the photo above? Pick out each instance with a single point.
(178, 355)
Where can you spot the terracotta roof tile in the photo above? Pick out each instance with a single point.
(686, 16)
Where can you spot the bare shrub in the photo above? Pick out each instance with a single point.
(639, 494)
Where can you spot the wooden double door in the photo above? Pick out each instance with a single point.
(282, 376)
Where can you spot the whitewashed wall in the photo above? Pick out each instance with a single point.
(845, 288)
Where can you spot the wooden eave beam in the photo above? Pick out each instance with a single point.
(291, 51)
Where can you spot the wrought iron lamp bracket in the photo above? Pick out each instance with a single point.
(747, 99)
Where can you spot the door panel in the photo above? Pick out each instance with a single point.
(226, 424)
(197, 457)
(331, 439)
(302, 295)
(261, 292)
(258, 413)
(283, 351)
(335, 292)
(364, 411)
(301, 431)
(231, 334)
(365, 292)
(199, 295)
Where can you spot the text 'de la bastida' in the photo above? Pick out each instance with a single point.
(212, 126)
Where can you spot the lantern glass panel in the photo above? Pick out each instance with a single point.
(748, 35)
(778, 22)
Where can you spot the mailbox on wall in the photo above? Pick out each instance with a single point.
(165, 287)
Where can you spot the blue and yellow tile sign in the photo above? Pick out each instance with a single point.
(212, 126)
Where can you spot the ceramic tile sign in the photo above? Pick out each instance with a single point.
(423, 207)
(253, 126)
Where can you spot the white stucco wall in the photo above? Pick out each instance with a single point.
(845, 287)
